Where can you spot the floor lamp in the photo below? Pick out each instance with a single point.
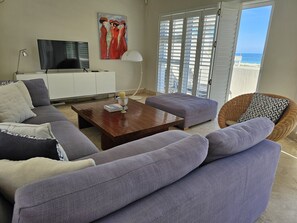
(134, 56)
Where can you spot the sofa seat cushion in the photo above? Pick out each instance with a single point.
(45, 114)
(89, 194)
(237, 138)
(136, 147)
(73, 141)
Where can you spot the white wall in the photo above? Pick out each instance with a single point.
(279, 74)
(22, 22)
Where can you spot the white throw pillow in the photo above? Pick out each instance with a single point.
(15, 174)
(42, 131)
(25, 93)
(39, 131)
(13, 107)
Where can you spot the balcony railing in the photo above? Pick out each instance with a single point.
(244, 79)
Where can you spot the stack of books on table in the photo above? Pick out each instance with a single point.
(113, 107)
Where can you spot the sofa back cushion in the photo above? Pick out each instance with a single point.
(100, 190)
(38, 92)
(238, 137)
(147, 144)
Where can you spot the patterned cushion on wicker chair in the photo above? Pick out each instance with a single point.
(233, 110)
(265, 106)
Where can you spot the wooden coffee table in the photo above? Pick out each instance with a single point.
(117, 128)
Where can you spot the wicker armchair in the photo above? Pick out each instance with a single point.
(233, 109)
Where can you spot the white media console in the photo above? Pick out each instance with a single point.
(69, 85)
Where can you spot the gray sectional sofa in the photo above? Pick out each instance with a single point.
(168, 177)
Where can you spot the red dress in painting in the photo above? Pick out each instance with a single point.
(122, 47)
(103, 34)
(103, 43)
(113, 48)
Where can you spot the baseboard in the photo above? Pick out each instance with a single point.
(150, 92)
(132, 91)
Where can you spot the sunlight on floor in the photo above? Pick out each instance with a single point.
(289, 155)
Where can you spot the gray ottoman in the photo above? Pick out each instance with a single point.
(194, 110)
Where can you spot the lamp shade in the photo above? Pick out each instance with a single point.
(132, 55)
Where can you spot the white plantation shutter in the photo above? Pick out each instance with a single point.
(223, 61)
(190, 49)
(186, 52)
(206, 53)
(163, 54)
(176, 51)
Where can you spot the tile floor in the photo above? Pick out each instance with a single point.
(282, 207)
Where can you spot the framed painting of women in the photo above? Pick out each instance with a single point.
(112, 35)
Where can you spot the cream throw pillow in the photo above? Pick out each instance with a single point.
(25, 93)
(13, 107)
(15, 174)
(42, 131)
(39, 131)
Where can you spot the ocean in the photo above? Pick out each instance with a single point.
(252, 58)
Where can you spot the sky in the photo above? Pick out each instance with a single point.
(253, 29)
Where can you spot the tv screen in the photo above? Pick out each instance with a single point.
(56, 54)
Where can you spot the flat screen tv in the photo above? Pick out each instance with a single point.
(57, 54)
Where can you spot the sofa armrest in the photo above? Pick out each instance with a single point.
(89, 194)
(139, 146)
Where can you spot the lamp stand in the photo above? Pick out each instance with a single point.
(24, 53)
(133, 95)
(17, 71)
